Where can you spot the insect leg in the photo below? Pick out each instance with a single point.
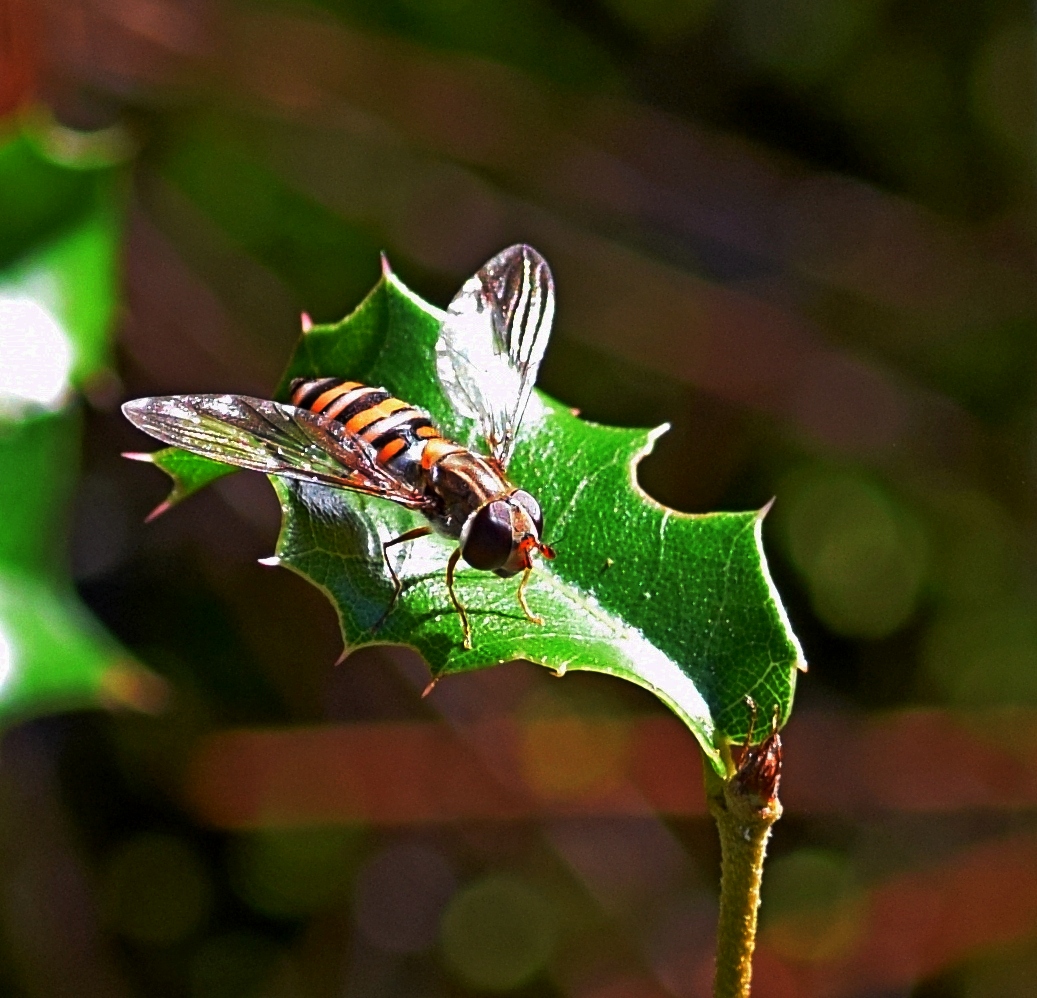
(530, 616)
(450, 565)
(410, 535)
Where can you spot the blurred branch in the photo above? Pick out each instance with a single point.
(745, 807)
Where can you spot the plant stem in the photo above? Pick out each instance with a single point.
(745, 810)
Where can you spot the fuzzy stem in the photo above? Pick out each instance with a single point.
(744, 820)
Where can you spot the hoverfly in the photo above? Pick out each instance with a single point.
(359, 438)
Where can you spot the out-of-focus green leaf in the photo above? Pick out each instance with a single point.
(38, 197)
(39, 460)
(60, 224)
(73, 276)
(326, 260)
(57, 301)
(681, 605)
(53, 655)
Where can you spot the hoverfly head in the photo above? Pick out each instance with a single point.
(501, 536)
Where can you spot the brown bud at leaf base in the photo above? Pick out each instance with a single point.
(759, 772)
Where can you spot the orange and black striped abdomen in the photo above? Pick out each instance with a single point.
(391, 426)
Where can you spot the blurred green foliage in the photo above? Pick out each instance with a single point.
(862, 554)
(320, 257)
(529, 34)
(498, 933)
(59, 243)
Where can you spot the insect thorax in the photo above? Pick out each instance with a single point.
(463, 482)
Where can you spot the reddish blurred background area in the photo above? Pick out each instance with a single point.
(800, 231)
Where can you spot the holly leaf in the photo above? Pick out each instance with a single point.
(680, 604)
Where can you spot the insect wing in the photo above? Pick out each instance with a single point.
(272, 438)
(492, 341)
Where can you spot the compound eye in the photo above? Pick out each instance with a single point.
(532, 507)
(489, 537)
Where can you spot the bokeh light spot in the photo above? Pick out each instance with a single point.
(569, 756)
(291, 872)
(35, 357)
(813, 909)
(400, 897)
(498, 933)
(863, 557)
(156, 889)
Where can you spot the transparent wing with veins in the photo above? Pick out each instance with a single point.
(492, 341)
(272, 438)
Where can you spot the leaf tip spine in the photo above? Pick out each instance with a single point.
(272, 562)
(654, 434)
(161, 508)
(148, 457)
(306, 322)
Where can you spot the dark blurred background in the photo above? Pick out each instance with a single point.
(801, 231)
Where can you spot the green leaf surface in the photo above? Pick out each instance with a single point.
(682, 605)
